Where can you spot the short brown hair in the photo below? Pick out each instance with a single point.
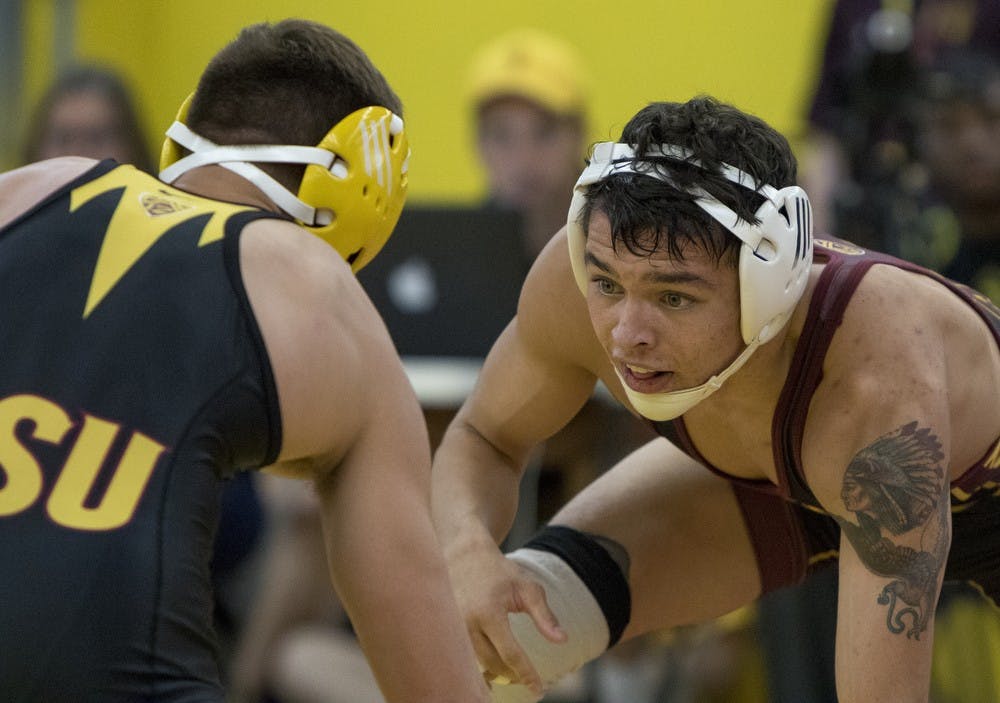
(285, 83)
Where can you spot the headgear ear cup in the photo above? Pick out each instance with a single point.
(353, 187)
(773, 275)
(171, 151)
(361, 196)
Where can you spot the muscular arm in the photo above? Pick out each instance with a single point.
(536, 377)
(892, 487)
(895, 535)
(352, 423)
(538, 374)
(520, 399)
(877, 457)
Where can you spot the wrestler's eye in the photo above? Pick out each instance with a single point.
(676, 301)
(605, 287)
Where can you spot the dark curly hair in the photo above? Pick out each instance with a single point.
(648, 214)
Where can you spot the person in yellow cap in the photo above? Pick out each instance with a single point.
(527, 90)
(160, 335)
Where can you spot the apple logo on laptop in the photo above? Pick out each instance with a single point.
(412, 287)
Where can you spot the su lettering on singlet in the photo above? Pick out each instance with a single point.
(106, 466)
(68, 501)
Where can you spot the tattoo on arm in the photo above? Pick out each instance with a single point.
(893, 487)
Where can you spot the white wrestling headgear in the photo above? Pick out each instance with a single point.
(774, 260)
(353, 188)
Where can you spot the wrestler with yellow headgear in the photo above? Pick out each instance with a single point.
(354, 185)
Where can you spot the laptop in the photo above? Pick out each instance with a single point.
(448, 280)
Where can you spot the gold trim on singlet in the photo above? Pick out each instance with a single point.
(146, 210)
(993, 460)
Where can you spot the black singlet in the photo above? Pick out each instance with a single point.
(132, 379)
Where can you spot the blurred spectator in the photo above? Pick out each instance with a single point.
(860, 141)
(88, 111)
(527, 92)
(957, 119)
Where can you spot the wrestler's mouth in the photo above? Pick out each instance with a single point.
(645, 380)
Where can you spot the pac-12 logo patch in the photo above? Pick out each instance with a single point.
(842, 247)
(157, 204)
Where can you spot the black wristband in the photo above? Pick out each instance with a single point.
(599, 572)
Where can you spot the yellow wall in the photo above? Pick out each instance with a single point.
(759, 55)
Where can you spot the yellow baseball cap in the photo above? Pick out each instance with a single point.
(530, 64)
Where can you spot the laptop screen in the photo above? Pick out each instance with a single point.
(448, 280)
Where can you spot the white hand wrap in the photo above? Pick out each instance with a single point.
(579, 616)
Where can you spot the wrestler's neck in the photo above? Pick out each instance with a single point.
(218, 183)
(753, 388)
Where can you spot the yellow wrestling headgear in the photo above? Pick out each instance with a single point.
(354, 185)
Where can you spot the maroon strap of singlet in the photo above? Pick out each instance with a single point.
(833, 291)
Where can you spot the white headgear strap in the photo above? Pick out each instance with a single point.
(236, 158)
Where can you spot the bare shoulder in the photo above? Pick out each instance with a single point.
(24, 187)
(908, 351)
(300, 284)
(327, 345)
(280, 254)
(552, 312)
(897, 317)
(889, 342)
(911, 316)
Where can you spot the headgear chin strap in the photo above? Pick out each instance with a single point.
(353, 188)
(774, 260)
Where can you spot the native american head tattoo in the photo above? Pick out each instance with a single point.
(895, 479)
(893, 486)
